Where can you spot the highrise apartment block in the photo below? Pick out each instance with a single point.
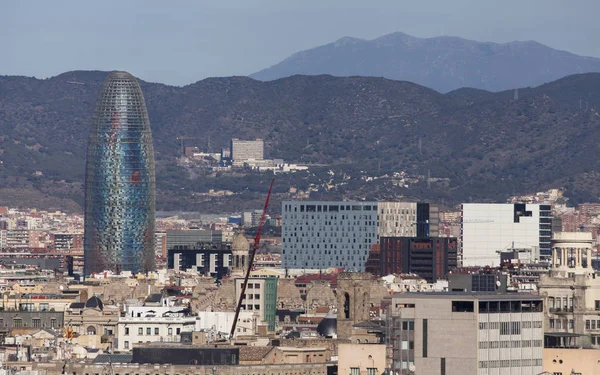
(464, 333)
(320, 235)
(488, 228)
(247, 150)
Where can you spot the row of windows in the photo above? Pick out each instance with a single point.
(35, 323)
(149, 331)
(558, 323)
(327, 208)
(510, 363)
(506, 328)
(591, 324)
(510, 344)
(338, 239)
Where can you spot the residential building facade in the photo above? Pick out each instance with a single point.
(260, 297)
(460, 333)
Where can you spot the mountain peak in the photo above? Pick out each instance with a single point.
(443, 63)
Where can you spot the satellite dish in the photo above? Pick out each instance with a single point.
(412, 367)
(498, 283)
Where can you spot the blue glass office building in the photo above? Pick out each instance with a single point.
(119, 181)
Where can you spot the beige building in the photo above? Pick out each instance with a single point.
(464, 333)
(94, 324)
(247, 150)
(572, 292)
(572, 361)
(359, 359)
(397, 219)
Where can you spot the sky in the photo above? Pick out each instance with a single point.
(179, 42)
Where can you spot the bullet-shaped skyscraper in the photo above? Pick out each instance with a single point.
(119, 181)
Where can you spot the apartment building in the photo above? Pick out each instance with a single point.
(247, 150)
(321, 234)
(464, 333)
(260, 298)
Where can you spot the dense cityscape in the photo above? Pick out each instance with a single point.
(439, 229)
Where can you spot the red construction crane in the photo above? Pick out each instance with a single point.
(251, 261)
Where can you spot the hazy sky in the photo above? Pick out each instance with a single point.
(180, 42)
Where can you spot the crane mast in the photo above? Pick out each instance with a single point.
(251, 261)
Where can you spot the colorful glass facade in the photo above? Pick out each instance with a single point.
(120, 181)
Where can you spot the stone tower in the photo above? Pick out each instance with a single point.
(353, 301)
(239, 254)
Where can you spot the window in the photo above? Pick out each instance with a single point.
(571, 324)
(587, 324)
(156, 331)
(354, 371)
(127, 330)
(372, 371)
(37, 323)
(18, 323)
(52, 323)
(597, 305)
(126, 344)
(140, 331)
(148, 331)
(44, 307)
(463, 306)
(170, 331)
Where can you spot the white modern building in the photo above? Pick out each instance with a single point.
(138, 330)
(321, 235)
(219, 322)
(489, 228)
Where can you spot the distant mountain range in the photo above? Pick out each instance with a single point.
(476, 145)
(442, 63)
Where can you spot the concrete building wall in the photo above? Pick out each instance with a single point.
(571, 361)
(450, 334)
(362, 357)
